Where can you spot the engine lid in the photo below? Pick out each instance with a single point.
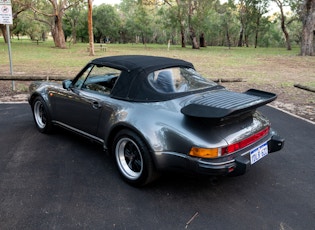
(223, 103)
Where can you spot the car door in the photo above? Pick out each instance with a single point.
(80, 106)
(78, 110)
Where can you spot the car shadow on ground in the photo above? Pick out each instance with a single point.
(90, 150)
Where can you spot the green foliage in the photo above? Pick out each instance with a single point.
(106, 23)
(72, 21)
(168, 23)
(136, 21)
(82, 27)
(139, 24)
(23, 25)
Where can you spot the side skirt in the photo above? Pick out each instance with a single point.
(80, 132)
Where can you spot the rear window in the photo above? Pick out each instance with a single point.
(178, 80)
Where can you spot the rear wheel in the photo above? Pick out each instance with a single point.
(41, 115)
(133, 159)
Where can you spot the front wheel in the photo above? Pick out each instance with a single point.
(133, 159)
(41, 115)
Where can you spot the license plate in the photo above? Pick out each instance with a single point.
(258, 153)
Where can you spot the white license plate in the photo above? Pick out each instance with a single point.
(258, 153)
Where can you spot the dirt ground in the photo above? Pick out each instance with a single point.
(263, 71)
(294, 100)
(297, 101)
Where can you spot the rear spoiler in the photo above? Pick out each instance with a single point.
(224, 103)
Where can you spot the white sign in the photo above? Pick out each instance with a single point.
(5, 2)
(6, 12)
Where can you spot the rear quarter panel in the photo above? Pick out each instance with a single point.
(165, 128)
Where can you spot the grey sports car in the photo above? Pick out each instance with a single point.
(157, 114)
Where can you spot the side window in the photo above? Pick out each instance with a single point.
(79, 82)
(101, 79)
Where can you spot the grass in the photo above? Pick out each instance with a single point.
(261, 65)
(271, 69)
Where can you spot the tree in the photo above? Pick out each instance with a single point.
(168, 21)
(52, 12)
(90, 27)
(136, 21)
(308, 21)
(246, 9)
(281, 4)
(25, 25)
(243, 21)
(139, 24)
(200, 19)
(186, 13)
(71, 21)
(82, 26)
(225, 13)
(17, 8)
(106, 23)
(192, 5)
(260, 8)
(181, 19)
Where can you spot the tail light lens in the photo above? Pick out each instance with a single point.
(217, 152)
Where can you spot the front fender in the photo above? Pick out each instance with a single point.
(41, 89)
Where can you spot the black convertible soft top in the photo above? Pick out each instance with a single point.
(214, 103)
(141, 62)
(133, 84)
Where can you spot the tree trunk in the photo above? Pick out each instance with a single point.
(57, 32)
(143, 38)
(202, 40)
(44, 36)
(74, 32)
(193, 38)
(308, 20)
(256, 38)
(257, 30)
(286, 34)
(240, 40)
(182, 34)
(181, 23)
(283, 26)
(246, 40)
(228, 38)
(192, 32)
(90, 28)
(4, 32)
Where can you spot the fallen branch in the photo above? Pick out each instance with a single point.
(61, 78)
(32, 78)
(311, 89)
(191, 219)
(227, 80)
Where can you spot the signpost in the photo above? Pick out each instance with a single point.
(7, 19)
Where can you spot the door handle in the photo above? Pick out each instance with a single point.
(96, 105)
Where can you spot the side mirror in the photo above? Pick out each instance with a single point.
(66, 84)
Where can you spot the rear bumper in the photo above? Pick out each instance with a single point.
(234, 165)
(242, 163)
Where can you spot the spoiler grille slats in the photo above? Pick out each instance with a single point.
(226, 100)
(223, 103)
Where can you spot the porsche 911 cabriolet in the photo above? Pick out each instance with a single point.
(156, 114)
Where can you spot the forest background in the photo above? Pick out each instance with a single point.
(197, 23)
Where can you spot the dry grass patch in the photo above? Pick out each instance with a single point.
(271, 69)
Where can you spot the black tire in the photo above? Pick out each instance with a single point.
(41, 115)
(133, 159)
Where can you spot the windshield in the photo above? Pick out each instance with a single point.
(176, 80)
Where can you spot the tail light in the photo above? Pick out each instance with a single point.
(217, 152)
